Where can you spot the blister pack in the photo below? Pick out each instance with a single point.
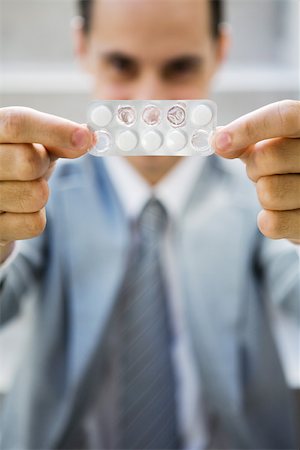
(152, 127)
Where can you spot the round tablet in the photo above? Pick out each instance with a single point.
(151, 141)
(127, 140)
(175, 140)
(200, 142)
(103, 143)
(176, 115)
(101, 116)
(126, 115)
(151, 115)
(202, 115)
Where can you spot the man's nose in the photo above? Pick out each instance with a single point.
(150, 86)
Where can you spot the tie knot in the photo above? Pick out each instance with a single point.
(152, 221)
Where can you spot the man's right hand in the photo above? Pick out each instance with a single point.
(30, 143)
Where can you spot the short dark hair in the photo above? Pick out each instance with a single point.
(217, 9)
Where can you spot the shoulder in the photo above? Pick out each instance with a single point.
(76, 181)
(69, 168)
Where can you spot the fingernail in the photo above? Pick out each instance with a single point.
(223, 140)
(80, 138)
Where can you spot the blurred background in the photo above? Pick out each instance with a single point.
(37, 69)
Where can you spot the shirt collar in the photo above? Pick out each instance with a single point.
(134, 191)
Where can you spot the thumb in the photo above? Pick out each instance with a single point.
(82, 140)
(222, 142)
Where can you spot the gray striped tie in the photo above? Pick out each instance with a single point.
(147, 403)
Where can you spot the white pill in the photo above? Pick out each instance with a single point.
(101, 116)
(103, 143)
(175, 140)
(151, 141)
(202, 115)
(127, 140)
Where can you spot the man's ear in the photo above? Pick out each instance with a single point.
(224, 42)
(79, 41)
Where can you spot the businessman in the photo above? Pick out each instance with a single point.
(159, 283)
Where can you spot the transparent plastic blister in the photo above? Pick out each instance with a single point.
(152, 127)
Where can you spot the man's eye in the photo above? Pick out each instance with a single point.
(122, 65)
(182, 68)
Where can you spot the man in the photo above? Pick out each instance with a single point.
(123, 354)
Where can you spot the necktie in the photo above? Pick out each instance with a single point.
(147, 387)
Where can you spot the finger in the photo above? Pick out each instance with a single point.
(50, 170)
(280, 224)
(23, 161)
(60, 136)
(21, 226)
(279, 192)
(281, 119)
(273, 156)
(23, 196)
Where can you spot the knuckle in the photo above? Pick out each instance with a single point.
(249, 130)
(273, 191)
(44, 187)
(281, 225)
(264, 158)
(275, 225)
(272, 156)
(38, 194)
(12, 122)
(289, 114)
(259, 161)
(265, 192)
(35, 223)
(31, 196)
(22, 198)
(29, 162)
(251, 172)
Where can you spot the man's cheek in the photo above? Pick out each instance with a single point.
(105, 89)
(112, 91)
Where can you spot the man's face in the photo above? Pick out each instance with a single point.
(150, 49)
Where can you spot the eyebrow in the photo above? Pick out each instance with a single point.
(192, 60)
(110, 56)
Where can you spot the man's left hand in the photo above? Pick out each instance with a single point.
(268, 142)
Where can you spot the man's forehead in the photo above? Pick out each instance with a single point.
(150, 21)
